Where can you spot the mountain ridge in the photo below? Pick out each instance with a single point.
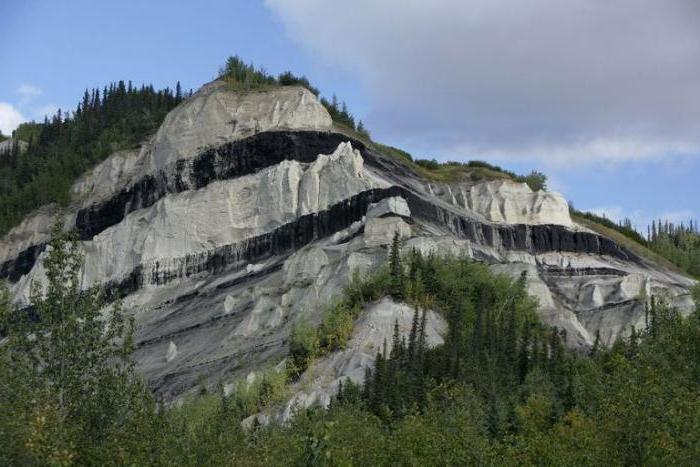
(241, 199)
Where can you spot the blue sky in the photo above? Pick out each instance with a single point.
(610, 113)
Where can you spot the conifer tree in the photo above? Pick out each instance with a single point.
(395, 342)
(396, 268)
(596, 343)
(524, 355)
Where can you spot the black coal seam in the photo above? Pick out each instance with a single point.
(285, 239)
(578, 272)
(262, 150)
(610, 306)
(306, 229)
(227, 161)
(531, 238)
(14, 269)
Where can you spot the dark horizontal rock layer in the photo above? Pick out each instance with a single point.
(249, 155)
(311, 227)
(228, 161)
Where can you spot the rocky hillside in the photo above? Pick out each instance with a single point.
(248, 211)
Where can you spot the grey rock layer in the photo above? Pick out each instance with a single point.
(246, 213)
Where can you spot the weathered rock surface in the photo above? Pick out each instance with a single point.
(6, 146)
(372, 332)
(213, 116)
(246, 213)
(507, 202)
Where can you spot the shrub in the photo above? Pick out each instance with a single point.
(265, 389)
(536, 181)
(431, 164)
(303, 346)
(336, 327)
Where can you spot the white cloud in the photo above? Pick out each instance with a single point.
(578, 80)
(28, 91)
(10, 117)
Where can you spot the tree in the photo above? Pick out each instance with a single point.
(396, 268)
(72, 352)
(536, 181)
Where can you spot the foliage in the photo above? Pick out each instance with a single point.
(624, 227)
(240, 76)
(262, 390)
(68, 384)
(337, 320)
(62, 148)
(537, 181)
(501, 390)
(674, 246)
(679, 244)
(392, 151)
(303, 345)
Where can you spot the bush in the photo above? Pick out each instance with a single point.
(303, 346)
(265, 389)
(431, 164)
(336, 327)
(536, 181)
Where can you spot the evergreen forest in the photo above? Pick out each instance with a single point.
(501, 390)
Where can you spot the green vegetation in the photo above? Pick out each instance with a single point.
(64, 147)
(500, 391)
(265, 389)
(3, 137)
(676, 247)
(678, 243)
(332, 334)
(453, 171)
(624, 227)
(68, 386)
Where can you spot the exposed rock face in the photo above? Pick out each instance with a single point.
(246, 213)
(6, 146)
(213, 117)
(373, 330)
(508, 202)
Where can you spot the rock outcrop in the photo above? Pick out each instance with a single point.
(6, 146)
(248, 212)
(373, 330)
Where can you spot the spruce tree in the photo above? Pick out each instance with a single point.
(396, 268)
(396, 342)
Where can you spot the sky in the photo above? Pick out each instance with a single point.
(602, 96)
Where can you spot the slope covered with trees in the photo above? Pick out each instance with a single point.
(501, 390)
(680, 244)
(62, 148)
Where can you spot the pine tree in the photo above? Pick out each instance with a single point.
(396, 342)
(596, 343)
(413, 336)
(524, 356)
(396, 268)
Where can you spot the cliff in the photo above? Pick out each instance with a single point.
(247, 212)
